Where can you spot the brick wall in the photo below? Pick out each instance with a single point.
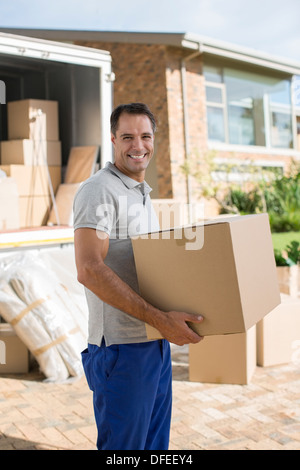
(195, 114)
(175, 118)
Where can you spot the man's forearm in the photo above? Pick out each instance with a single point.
(111, 289)
(173, 325)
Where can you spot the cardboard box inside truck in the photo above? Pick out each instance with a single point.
(223, 269)
(34, 180)
(33, 119)
(9, 204)
(31, 152)
(34, 210)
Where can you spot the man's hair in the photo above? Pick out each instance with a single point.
(130, 108)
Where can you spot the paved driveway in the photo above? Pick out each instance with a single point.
(262, 415)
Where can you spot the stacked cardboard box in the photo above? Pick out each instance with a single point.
(9, 204)
(80, 166)
(227, 359)
(32, 156)
(223, 269)
(278, 334)
(14, 355)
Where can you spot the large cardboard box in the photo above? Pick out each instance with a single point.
(226, 359)
(33, 119)
(9, 204)
(30, 152)
(223, 269)
(278, 334)
(14, 355)
(173, 213)
(34, 210)
(170, 213)
(34, 180)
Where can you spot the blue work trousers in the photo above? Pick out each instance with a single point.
(132, 394)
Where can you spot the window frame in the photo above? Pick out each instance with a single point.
(222, 105)
(266, 118)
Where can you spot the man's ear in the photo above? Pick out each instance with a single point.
(113, 138)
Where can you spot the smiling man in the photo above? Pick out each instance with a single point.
(129, 375)
(133, 142)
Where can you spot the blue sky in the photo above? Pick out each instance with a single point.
(270, 26)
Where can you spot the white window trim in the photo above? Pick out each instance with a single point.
(242, 177)
(253, 149)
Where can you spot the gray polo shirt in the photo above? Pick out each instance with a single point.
(113, 203)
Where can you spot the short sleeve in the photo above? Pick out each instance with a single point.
(94, 207)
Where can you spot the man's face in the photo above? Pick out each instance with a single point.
(134, 145)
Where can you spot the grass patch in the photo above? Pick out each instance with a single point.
(281, 240)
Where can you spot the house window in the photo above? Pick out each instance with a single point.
(243, 108)
(298, 131)
(246, 108)
(296, 96)
(215, 104)
(281, 117)
(241, 122)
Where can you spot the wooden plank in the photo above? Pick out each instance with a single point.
(64, 205)
(81, 163)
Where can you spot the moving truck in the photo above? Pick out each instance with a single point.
(75, 85)
(80, 81)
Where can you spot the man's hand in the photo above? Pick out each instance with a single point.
(173, 326)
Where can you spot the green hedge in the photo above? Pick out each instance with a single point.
(280, 198)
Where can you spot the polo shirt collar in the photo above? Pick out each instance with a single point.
(130, 183)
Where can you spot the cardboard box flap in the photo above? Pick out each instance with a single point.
(252, 253)
(182, 230)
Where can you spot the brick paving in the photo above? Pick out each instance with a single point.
(264, 415)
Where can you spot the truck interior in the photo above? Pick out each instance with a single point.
(75, 87)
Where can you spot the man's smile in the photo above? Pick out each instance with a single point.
(137, 157)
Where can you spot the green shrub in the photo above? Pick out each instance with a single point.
(287, 222)
(245, 202)
(290, 256)
(279, 258)
(280, 197)
(293, 252)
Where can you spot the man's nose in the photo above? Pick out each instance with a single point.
(138, 144)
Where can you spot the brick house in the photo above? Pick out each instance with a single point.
(207, 96)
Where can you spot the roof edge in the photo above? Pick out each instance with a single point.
(185, 40)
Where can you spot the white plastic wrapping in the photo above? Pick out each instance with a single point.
(45, 315)
(30, 330)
